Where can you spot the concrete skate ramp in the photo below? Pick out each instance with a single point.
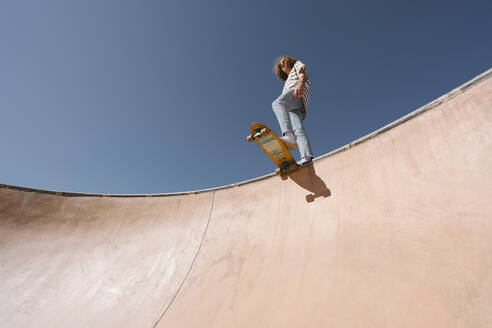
(394, 230)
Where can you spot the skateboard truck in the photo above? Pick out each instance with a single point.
(285, 168)
(259, 132)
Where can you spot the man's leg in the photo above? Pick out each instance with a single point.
(281, 106)
(301, 135)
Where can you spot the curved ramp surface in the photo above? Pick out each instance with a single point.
(393, 230)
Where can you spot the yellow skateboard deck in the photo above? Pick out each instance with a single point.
(274, 147)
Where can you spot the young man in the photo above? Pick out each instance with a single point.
(291, 106)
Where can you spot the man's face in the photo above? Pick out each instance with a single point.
(283, 65)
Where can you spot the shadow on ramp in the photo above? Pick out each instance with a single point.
(306, 178)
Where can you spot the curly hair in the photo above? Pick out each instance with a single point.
(277, 70)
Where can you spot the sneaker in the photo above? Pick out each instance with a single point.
(305, 161)
(289, 141)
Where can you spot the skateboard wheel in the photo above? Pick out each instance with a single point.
(283, 177)
(249, 138)
(310, 198)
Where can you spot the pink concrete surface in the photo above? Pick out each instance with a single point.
(394, 231)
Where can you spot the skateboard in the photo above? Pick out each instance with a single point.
(274, 147)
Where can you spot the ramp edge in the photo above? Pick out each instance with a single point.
(429, 106)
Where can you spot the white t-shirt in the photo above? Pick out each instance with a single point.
(293, 80)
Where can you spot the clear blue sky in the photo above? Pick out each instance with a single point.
(158, 96)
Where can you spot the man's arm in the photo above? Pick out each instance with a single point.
(302, 78)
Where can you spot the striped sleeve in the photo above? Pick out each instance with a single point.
(298, 65)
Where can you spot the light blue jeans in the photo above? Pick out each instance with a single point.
(287, 108)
